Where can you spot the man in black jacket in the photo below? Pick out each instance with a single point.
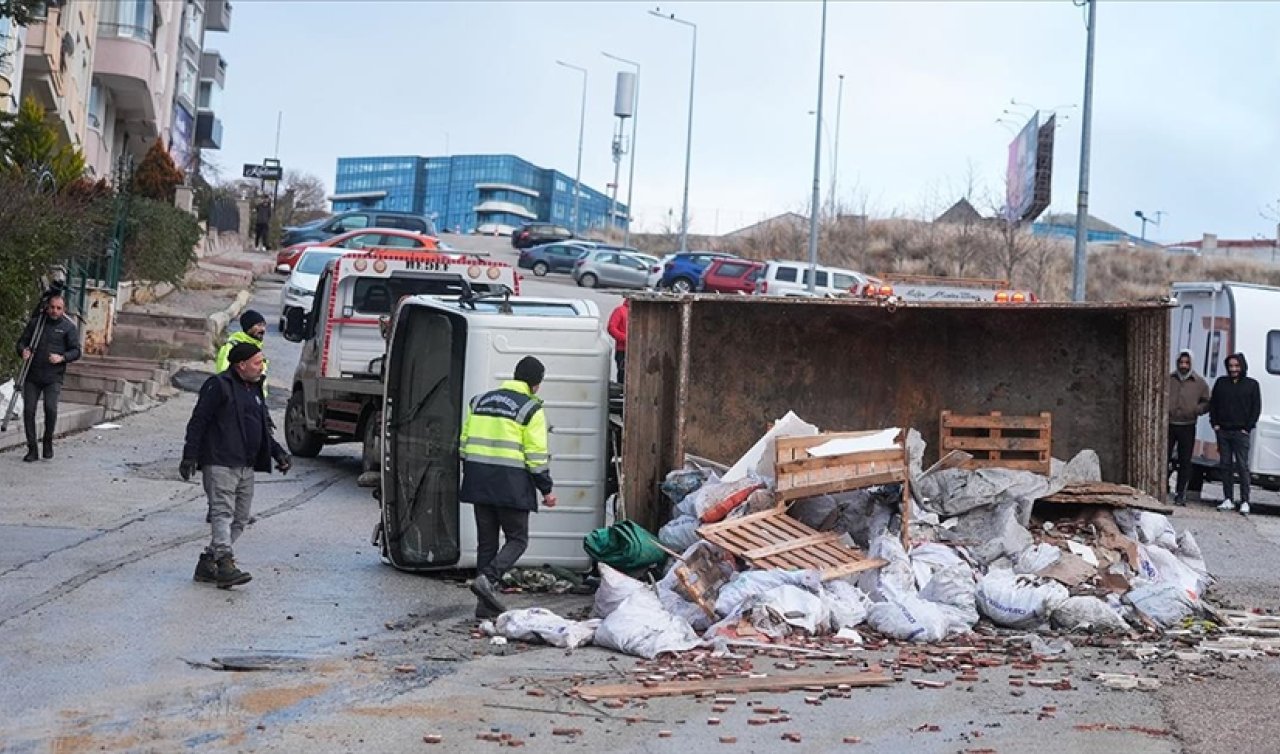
(1234, 409)
(59, 345)
(228, 439)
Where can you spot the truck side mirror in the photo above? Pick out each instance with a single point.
(295, 326)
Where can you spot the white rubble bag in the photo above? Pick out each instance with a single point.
(907, 617)
(895, 577)
(847, 604)
(1165, 603)
(783, 608)
(641, 627)
(680, 533)
(954, 590)
(1168, 569)
(7, 390)
(1087, 614)
(759, 461)
(1036, 558)
(930, 557)
(1016, 601)
(536, 623)
(1189, 553)
(745, 586)
(615, 587)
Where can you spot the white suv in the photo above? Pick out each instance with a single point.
(792, 279)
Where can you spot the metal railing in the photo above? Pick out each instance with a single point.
(127, 31)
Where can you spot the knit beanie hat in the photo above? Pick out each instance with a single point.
(241, 352)
(249, 319)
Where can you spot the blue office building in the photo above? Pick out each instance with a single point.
(471, 193)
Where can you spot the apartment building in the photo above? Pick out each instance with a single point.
(12, 40)
(58, 58)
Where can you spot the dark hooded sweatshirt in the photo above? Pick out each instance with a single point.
(1236, 404)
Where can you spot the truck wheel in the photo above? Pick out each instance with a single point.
(371, 453)
(682, 285)
(588, 280)
(302, 442)
(540, 269)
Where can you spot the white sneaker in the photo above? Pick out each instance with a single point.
(1227, 505)
(1244, 509)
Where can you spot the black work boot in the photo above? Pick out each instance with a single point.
(48, 447)
(206, 569)
(32, 454)
(489, 599)
(228, 575)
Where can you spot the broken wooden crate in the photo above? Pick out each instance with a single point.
(1106, 494)
(806, 467)
(996, 440)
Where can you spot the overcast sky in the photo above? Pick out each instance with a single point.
(1187, 99)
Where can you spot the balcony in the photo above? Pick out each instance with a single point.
(208, 131)
(125, 63)
(213, 67)
(507, 187)
(511, 208)
(217, 15)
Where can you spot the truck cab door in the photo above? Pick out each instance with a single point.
(420, 468)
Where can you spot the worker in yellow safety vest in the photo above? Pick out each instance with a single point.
(253, 329)
(505, 465)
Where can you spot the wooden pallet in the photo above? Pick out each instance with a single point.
(996, 440)
(772, 539)
(801, 475)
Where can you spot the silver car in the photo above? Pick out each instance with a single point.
(612, 268)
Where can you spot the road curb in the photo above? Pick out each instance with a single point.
(218, 320)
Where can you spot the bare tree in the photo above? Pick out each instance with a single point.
(303, 198)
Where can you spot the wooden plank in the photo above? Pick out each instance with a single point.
(998, 443)
(732, 685)
(825, 488)
(996, 422)
(848, 459)
(804, 442)
(1019, 465)
(794, 544)
(737, 522)
(848, 569)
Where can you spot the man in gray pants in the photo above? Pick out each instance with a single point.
(229, 438)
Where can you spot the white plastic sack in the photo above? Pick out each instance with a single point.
(1166, 604)
(790, 606)
(895, 577)
(1147, 528)
(642, 628)
(1017, 601)
(1189, 552)
(536, 623)
(6, 394)
(1087, 614)
(846, 603)
(745, 586)
(907, 617)
(1171, 570)
(760, 459)
(680, 533)
(615, 587)
(1036, 558)
(688, 505)
(995, 530)
(954, 590)
(929, 558)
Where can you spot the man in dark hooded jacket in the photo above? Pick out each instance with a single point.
(1234, 409)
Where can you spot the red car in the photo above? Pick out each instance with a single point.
(365, 238)
(730, 275)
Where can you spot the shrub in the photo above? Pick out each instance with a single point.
(160, 242)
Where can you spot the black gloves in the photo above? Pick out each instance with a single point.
(284, 462)
(187, 469)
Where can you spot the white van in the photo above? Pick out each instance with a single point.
(1215, 320)
(792, 279)
(441, 353)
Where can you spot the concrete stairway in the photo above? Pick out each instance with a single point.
(120, 385)
(160, 337)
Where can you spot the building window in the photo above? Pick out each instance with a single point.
(134, 19)
(195, 23)
(188, 79)
(97, 106)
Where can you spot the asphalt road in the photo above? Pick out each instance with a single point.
(109, 646)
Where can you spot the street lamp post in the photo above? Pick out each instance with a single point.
(582, 123)
(814, 206)
(688, 139)
(631, 169)
(835, 158)
(1082, 202)
(1145, 219)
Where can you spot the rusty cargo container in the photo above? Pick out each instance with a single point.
(707, 374)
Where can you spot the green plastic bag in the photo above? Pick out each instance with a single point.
(625, 546)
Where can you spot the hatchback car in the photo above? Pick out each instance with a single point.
(551, 257)
(612, 268)
(369, 238)
(682, 271)
(359, 219)
(727, 275)
(535, 234)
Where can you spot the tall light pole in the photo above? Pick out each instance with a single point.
(631, 169)
(814, 204)
(835, 158)
(582, 123)
(1082, 202)
(688, 139)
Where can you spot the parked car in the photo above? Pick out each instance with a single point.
(359, 219)
(786, 278)
(368, 238)
(551, 257)
(612, 268)
(300, 289)
(728, 275)
(682, 271)
(535, 234)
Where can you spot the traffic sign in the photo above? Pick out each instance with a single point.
(263, 172)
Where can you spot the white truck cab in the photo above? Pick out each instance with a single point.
(440, 354)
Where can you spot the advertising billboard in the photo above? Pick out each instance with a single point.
(180, 138)
(1029, 175)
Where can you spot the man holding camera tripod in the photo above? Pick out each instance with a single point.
(49, 342)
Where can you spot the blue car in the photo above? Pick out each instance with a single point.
(682, 271)
(550, 257)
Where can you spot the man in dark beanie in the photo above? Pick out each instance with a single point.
(228, 439)
(253, 328)
(505, 464)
